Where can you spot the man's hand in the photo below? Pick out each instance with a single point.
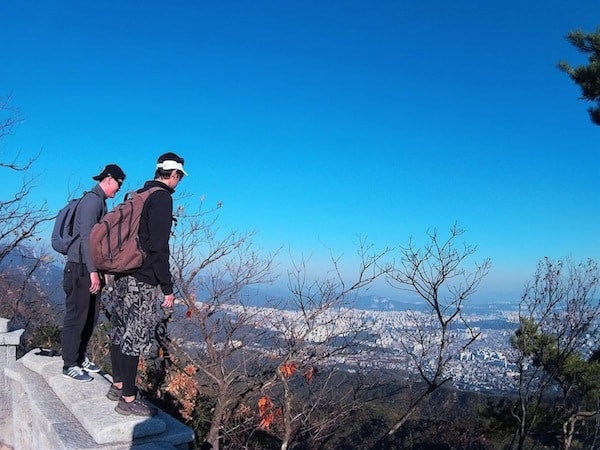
(169, 300)
(95, 285)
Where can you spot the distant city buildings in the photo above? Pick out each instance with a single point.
(484, 365)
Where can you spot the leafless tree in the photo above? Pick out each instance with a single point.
(214, 334)
(318, 336)
(437, 274)
(558, 333)
(23, 260)
(230, 332)
(235, 354)
(20, 217)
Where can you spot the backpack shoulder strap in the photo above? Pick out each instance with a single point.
(72, 221)
(145, 193)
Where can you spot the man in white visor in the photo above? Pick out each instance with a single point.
(136, 296)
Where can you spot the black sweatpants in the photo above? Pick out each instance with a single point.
(124, 369)
(81, 313)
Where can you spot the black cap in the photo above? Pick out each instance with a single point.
(111, 170)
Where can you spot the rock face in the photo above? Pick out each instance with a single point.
(42, 409)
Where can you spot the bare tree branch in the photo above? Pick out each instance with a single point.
(437, 274)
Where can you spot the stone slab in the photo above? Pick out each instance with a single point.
(67, 401)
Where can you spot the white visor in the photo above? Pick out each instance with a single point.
(170, 165)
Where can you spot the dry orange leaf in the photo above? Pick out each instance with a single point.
(288, 369)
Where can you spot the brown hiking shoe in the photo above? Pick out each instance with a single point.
(114, 393)
(137, 407)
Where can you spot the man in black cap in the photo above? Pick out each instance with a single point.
(82, 282)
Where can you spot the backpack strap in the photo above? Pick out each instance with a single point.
(72, 222)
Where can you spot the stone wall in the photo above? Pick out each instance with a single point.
(45, 410)
(9, 340)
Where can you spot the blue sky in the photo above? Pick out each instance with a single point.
(317, 122)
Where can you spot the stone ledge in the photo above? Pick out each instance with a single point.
(11, 338)
(4, 325)
(81, 413)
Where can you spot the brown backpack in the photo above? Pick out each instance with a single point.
(114, 241)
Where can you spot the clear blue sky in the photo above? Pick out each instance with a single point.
(316, 122)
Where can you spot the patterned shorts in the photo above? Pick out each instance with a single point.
(134, 315)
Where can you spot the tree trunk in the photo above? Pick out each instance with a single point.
(213, 436)
(287, 416)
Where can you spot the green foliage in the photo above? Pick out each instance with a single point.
(495, 416)
(582, 376)
(587, 77)
(559, 388)
(99, 346)
(569, 369)
(528, 337)
(364, 426)
(46, 336)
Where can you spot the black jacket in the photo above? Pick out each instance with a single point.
(154, 233)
